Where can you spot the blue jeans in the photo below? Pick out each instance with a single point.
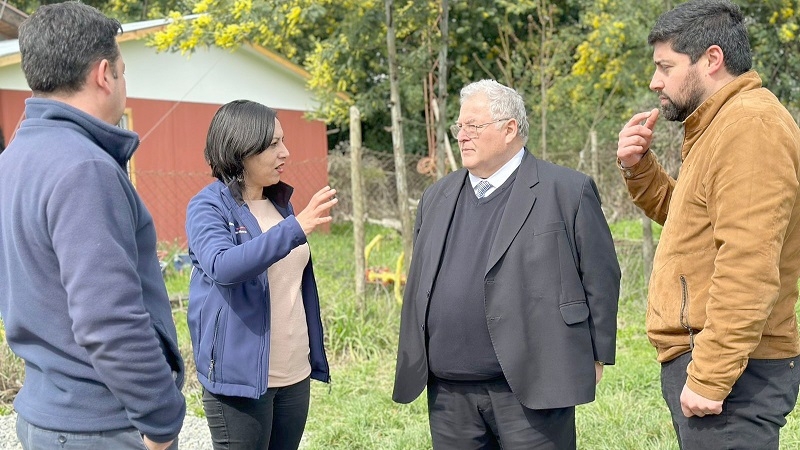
(752, 414)
(35, 438)
(275, 421)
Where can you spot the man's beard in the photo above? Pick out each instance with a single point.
(679, 111)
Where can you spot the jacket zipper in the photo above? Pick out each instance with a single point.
(329, 380)
(684, 311)
(266, 323)
(214, 347)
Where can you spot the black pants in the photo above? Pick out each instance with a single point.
(487, 415)
(752, 414)
(273, 422)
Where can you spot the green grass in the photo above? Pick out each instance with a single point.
(629, 412)
(632, 230)
(356, 411)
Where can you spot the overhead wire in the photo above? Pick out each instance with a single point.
(177, 103)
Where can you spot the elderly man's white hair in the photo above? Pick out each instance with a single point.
(504, 103)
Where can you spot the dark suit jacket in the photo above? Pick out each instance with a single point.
(551, 285)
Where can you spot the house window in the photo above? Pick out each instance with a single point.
(126, 123)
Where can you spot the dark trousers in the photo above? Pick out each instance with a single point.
(487, 415)
(273, 422)
(752, 414)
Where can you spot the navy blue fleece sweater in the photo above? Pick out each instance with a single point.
(81, 293)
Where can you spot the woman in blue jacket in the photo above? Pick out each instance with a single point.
(254, 314)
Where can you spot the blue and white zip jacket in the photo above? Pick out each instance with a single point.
(229, 314)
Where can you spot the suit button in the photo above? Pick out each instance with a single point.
(428, 294)
(423, 327)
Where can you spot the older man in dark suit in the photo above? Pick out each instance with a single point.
(510, 309)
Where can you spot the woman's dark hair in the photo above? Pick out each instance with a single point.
(239, 130)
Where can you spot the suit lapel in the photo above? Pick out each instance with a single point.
(440, 214)
(519, 206)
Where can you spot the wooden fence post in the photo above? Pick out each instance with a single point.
(356, 185)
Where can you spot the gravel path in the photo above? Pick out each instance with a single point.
(194, 434)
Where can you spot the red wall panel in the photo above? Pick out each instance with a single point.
(12, 107)
(169, 168)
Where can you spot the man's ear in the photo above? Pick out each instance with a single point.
(511, 130)
(101, 75)
(715, 58)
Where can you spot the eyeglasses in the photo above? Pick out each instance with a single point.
(473, 131)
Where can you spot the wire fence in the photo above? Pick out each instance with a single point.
(167, 193)
(380, 186)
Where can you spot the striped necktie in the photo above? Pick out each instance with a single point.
(481, 188)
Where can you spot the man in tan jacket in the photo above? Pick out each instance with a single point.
(724, 282)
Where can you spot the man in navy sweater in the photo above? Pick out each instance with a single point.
(81, 293)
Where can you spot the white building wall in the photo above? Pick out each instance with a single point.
(212, 75)
(11, 78)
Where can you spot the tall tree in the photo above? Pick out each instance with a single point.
(532, 48)
(774, 29)
(442, 139)
(581, 65)
(398, 147)
(342, 43)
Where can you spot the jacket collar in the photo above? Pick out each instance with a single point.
(117, 142)
(520, 203)
(527, 170)
(698, 121)
(278, 193)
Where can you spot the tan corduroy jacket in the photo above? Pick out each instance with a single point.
(724, 280)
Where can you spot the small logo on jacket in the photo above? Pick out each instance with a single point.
(239, 230)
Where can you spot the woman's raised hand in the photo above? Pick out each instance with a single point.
(318, 210)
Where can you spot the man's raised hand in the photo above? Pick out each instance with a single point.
(635, 137)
